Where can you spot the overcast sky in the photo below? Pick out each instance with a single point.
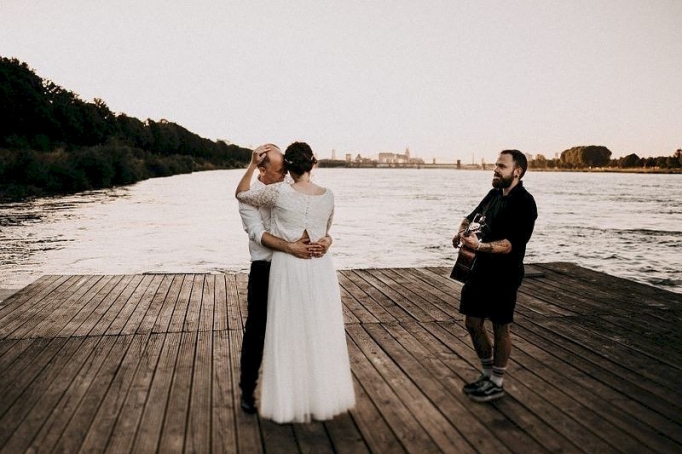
(448, 79)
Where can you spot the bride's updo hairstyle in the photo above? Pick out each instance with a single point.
(299, 158)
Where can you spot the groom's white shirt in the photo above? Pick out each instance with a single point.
(256, 222)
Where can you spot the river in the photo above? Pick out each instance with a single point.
(627, 225)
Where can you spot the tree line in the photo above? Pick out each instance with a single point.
(53, 142)
(596, 156)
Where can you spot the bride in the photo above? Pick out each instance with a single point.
(306, 369)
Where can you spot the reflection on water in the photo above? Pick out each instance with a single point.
(627, 225)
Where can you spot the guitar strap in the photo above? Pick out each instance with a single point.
(487, 207)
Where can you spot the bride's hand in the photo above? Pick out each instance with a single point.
(323, 245)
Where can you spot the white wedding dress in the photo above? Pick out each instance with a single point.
(306, 369)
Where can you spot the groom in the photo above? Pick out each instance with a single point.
(256, 222)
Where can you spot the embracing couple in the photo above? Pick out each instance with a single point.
(295, 319)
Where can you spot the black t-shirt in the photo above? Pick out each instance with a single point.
(510, 217)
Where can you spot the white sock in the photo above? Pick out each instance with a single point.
(497, 376)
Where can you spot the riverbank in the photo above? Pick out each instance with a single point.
(354, 165)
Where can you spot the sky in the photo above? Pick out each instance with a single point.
(447, 79)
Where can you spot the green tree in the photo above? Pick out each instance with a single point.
(585, 156)
(629, 161)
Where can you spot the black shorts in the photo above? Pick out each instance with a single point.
(489, 300)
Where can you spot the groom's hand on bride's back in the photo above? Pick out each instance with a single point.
(301, 249)
(305, 249)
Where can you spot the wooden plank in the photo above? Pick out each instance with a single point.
(162, 322)
(233, 312)
(574, 422)
(224, 434)
(361, 313)
(207, 303)
(29, 296)
(150, 318)
(440, 385)
(573, 303)
(629, 363)
(588, 373)
(404, 424)
(242, 299)
(135, 313)
(345, 435)
(142, 350)
(648, 295)
(278, 438)
(313, 438)
(414, 291)
(374, 429)
(220, 314)
(33, 398)
(177, 321)
(175, 423)
(649, 331)
(611, 292)
(388, 307)
(26, 321)
(582, 404)
(348, 315)
(127, 308)
(152, 418)
(395, 364)
(27, 366)
(194, 306)
(248, 427)
(442, 296)
(54, 319)
(95, 317)
(376, 312)
(96, 295)
(78, 403)
(111, 313)
(614, 399)
(199, 424)
(11, 350)
(411, 311)
(515, 426)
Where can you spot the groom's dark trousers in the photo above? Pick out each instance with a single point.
(254, 333)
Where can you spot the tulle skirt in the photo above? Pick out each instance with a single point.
(306, 369)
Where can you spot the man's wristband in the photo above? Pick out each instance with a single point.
(478, 248)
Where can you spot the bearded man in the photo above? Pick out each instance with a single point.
(492, 284)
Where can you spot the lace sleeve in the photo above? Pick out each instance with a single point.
(263, 197)
(329, 221)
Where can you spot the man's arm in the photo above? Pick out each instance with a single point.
(503, 246)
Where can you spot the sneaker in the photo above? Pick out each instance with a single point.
(487, 391)
(474, 385)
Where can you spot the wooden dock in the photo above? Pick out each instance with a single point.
(150, 363)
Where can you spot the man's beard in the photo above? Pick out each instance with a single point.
(500, 182)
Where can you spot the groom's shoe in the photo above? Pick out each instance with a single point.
(248, 404)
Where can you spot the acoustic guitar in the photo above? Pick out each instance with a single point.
(466, 258)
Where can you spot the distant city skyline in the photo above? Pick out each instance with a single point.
(448, 79)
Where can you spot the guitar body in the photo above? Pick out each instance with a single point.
(466, 258)
(465, 261)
